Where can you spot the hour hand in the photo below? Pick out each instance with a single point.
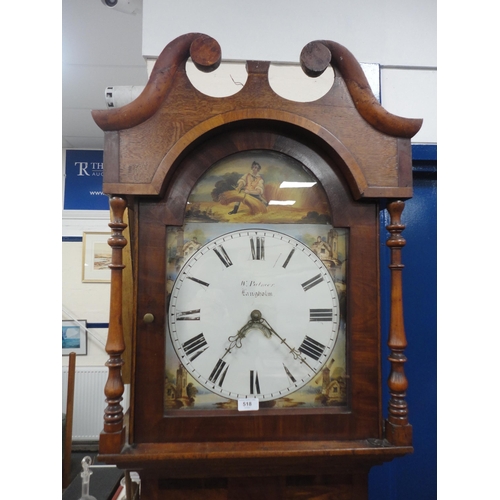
(254, 322)
(235, 340)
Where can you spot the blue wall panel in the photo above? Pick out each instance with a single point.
(414, 477)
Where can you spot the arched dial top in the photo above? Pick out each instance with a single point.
(267, 340)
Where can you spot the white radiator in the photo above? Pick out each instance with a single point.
(89, 404)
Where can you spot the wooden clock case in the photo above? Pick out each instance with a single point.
(156, 149)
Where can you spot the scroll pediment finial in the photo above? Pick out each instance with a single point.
(318, 55)
(206, 55)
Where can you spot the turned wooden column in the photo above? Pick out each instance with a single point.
(112, 437)
(397, 429)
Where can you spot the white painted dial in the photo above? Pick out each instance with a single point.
(254, 313)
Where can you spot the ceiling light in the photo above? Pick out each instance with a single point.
(284, 202)
(286, 184)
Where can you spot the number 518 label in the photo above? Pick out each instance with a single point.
(248, 404)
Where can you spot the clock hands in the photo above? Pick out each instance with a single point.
(293, 351)
(258, 322)
(254, 322)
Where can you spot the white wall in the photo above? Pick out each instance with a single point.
(389, 32)
(87, 301)
(399, 35)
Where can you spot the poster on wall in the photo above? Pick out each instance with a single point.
(83, 180)
(96, 258)
(74, 337)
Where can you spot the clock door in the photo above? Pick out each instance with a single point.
(251, 273)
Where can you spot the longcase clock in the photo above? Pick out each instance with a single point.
(253, 282)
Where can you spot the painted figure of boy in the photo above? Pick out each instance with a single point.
(251, 184)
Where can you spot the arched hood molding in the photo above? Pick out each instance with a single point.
(274, 121)
(145, 138)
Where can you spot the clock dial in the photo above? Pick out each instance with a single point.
(254, 313)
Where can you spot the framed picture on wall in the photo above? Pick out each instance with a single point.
(74, 337)
(96, 258)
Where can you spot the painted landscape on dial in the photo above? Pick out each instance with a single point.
(255, 192)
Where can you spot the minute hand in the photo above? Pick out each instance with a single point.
(295, 353)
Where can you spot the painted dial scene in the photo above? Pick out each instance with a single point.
(256, 286)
